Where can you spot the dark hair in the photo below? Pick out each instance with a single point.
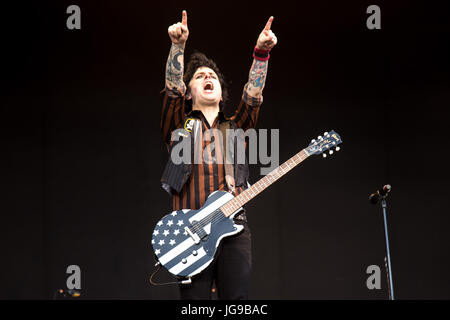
(198, 60)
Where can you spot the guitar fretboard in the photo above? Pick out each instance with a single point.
(231, 206)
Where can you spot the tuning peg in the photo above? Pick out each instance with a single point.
(325, 134)
(331, 152)
(313, 140)
(319, 137)
(324, 155)
(337, 148)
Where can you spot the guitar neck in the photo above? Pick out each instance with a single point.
(230, 207)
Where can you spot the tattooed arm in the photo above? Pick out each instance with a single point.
(257, 78)
(178, 33)
(174, 69)
(258, 72)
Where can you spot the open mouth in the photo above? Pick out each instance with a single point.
(208, 87)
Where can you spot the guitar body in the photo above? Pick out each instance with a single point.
(185, 241)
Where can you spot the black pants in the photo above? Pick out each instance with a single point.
(230, 270)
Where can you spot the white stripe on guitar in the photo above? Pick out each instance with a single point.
(189, 261)
(212, 206)
(176, 251)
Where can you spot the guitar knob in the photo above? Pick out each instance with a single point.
(324, 155)
(194, 252)
(183, 260)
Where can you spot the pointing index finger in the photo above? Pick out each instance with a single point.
(268, 24)
(184, 18)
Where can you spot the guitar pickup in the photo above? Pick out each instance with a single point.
(194, 236)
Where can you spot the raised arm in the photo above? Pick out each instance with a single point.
(258, 71)
(178, 34)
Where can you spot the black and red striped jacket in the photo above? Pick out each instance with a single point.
(190, 184)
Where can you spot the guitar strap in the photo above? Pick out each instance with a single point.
(229, 168)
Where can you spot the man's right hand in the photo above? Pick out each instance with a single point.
(179, 32)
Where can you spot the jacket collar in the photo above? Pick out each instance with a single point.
(199, 115)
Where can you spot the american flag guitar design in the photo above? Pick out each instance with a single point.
(185, 241)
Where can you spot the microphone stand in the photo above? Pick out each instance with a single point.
(388, 266)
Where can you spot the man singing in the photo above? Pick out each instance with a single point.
(193, 100)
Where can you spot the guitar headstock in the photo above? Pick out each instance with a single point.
(322, 144)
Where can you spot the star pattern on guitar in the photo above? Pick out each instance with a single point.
(165, 235)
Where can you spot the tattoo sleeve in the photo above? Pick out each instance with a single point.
(175, 69)
(257, 78)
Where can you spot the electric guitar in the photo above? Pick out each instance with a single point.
(185, 241)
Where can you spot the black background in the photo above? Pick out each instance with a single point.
(82, 152)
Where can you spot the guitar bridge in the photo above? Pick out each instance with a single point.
(194, 237)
